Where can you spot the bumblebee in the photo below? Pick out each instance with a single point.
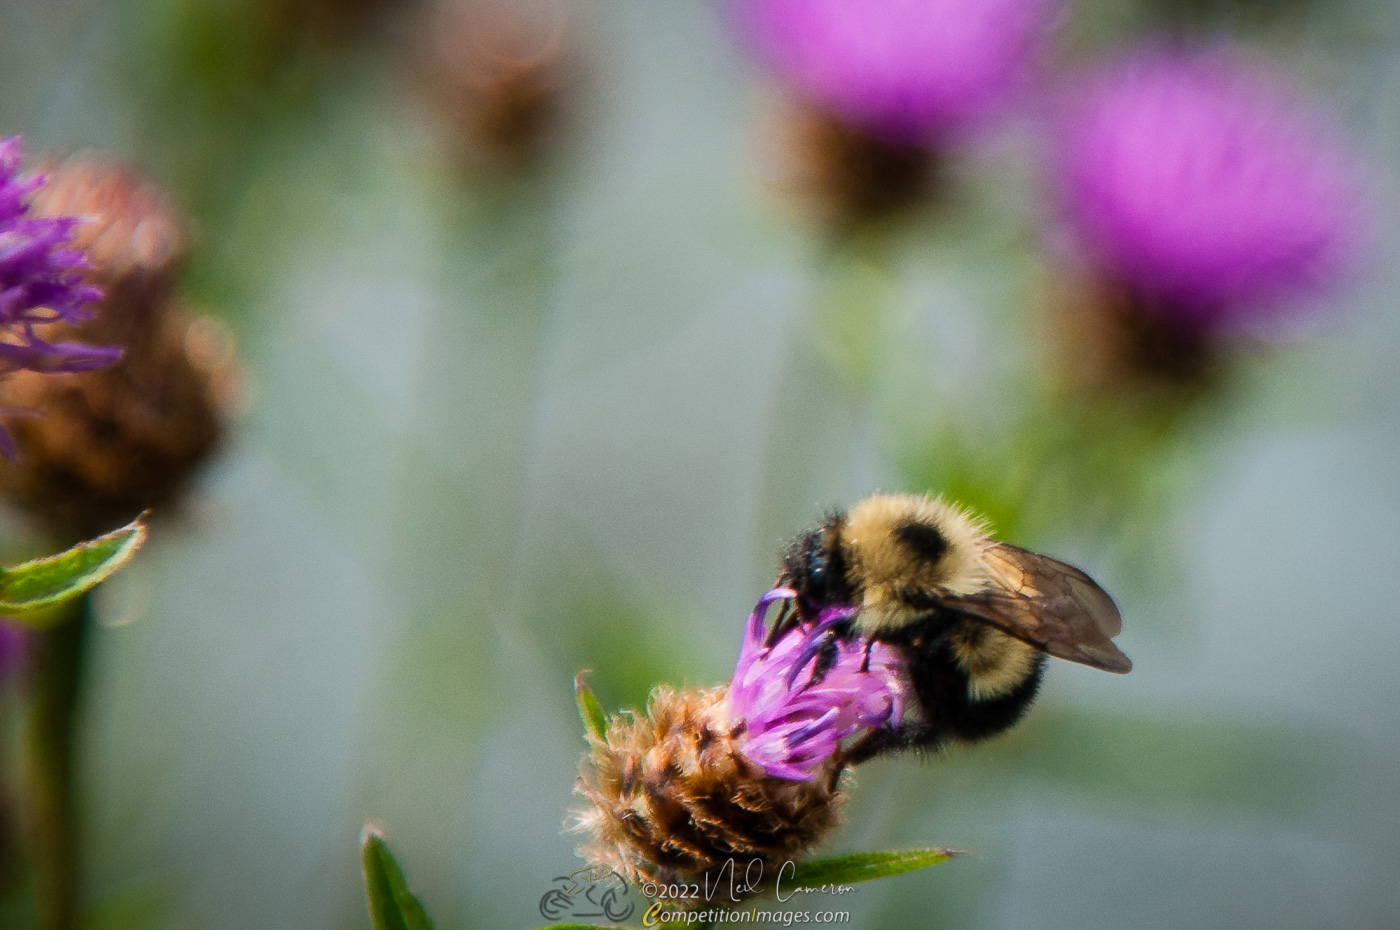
(974, 617)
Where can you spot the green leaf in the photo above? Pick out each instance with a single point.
(391, 905)
(576, 927)
(28, 591)
(864, 867)
(594, 720)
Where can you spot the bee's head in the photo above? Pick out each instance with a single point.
(816, 567)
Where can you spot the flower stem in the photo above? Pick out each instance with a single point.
(49, 797)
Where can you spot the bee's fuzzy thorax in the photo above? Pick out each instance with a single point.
(669, 796)
(877, 534)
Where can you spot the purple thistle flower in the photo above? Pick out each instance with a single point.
(1204, 188)
(41, 281)
(795, 721)
(908, 70)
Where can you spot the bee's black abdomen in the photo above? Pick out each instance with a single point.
(947, 710)
(944, 694)
(971, 720)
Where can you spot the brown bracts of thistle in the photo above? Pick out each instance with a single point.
(499, 75)
(114, 442)
(851, 177)
(1101, 337)
(130, 231)
(671, 796)
(750, 772)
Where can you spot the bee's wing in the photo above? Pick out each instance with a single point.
(1050, 605)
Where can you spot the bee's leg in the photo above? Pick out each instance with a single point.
(865, 663)
(915, 734)
(930, 681)
(818, 639)
(786, 618)
(826, 658)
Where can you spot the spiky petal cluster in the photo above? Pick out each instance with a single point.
(910, 70)
(1203, 187)
(798, 707)
(41, 280)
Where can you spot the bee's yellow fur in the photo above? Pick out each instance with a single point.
(883, 565)
(995, 663)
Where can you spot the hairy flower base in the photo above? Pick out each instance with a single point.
(115, 442)
(1105, 338)
(670, 797)
(853, 177)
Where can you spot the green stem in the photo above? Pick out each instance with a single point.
(49, 797)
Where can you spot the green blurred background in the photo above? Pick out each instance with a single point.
(510, 425)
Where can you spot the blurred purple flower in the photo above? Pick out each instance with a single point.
(909, 70)
(40, 280)
(1205, 187)
(796, 720)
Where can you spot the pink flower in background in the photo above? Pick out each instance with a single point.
(1204, 187)
(910, 70)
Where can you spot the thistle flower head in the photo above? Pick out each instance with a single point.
(745, 772)
(796, 713)
(41, 279)
(911, 70)
(1204, 187)
(115, 442)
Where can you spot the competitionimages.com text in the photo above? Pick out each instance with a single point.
(659, 915)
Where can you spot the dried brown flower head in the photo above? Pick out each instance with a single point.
(670, 796)
(114, 442)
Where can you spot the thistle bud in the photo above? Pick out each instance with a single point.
(749, 772)
(898, 84)
(1200, 197)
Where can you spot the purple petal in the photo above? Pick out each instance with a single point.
(795, 724)
(909, 69)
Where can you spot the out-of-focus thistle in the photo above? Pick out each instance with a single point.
(747, 772)
(115, 442)
(41, 283)
(891, 84)
(1202, 196)
(499, 75)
